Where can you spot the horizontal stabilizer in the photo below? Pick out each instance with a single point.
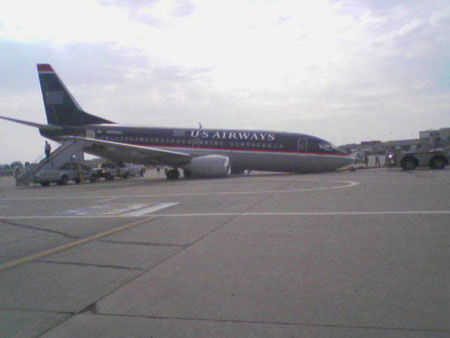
(32, 124)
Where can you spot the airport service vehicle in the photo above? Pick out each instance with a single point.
(68, 172)
(435, 159)
(101, 172)
(109, 171)
(135, 170)
(197, 152)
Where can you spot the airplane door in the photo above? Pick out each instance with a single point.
(90, 133)
(195, 142)
(302, 145)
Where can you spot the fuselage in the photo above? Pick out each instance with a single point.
(247, 149)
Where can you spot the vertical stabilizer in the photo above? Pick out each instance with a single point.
(60, 106)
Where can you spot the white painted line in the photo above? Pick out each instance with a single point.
(147, 210)
(347, 184)
(313, 213)
(120, 209)
(215, 214)
(110, 199)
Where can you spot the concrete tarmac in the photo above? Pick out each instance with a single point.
(362, 254)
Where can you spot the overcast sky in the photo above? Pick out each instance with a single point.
(345, 71)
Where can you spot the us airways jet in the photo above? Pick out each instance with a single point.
(197, 152)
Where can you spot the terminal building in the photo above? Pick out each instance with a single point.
(428, 139)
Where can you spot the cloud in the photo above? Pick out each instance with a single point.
(183, 8)
(336, 69)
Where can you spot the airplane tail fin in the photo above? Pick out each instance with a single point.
(60, 106)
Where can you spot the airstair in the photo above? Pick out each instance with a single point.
(63, 154)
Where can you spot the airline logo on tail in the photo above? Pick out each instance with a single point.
(54, 97)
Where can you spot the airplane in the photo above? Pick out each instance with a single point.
(198, 152)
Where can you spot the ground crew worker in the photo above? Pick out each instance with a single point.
(48, 149)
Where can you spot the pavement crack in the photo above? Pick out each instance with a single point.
(228, 220)
(30, 227)
(36, 311)
(280, 323)
(91, 265)
(90, 309)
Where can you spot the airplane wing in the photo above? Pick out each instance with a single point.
(116, 151)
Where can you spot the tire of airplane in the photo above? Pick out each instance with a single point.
(235, 171)
(172, 174)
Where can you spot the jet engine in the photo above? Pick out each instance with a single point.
(208, 166)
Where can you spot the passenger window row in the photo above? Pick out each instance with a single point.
(192, 142)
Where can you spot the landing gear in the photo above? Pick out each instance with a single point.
(172, 174)
(237, 171)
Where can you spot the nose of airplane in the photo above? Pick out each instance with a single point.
(346, 158)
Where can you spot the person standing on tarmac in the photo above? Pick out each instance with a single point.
(377, 161)
(47, 149)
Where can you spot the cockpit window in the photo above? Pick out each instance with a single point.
(326, 146)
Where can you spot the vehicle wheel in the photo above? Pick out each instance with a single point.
(172, 174)
(437, 162)
(45, 184)
(64, 180)
(187, 173)
(93, 178)
(408, 163)
(77, 181)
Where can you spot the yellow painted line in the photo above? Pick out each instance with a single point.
(52, 251)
